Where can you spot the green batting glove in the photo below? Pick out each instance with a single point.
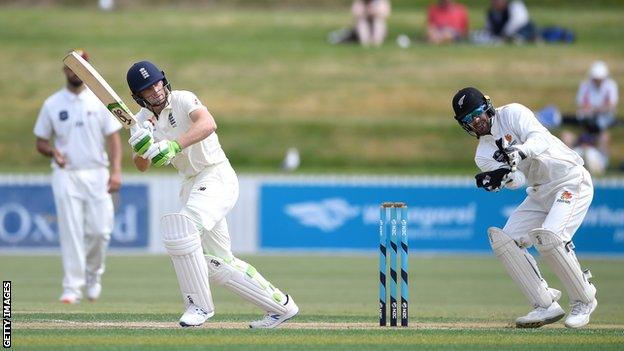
(163, 152)
(141, 140)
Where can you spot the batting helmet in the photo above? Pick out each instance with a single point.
(143, 75)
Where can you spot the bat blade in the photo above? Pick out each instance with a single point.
(98, 85)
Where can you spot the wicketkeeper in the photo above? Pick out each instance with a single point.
(515, 149)
(176, 128)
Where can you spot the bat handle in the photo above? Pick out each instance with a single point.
(134, 128)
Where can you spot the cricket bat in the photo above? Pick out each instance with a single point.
(100, 88)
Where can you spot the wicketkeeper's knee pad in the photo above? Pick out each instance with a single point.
(242, 278)
(562, 260)
(182, 241)
(521, 267)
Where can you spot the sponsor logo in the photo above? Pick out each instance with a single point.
(326, 215)
(202, 188)
(565, 197)
(215, 263)
(63, 115)
(190, 299)
(508, 138)
(121, 111)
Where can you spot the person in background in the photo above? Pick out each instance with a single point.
(370, 21)
(447, 21)
(81, 126)
(596, 101)
(510, 21)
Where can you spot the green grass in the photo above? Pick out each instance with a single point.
(272, 82)
(460, 291)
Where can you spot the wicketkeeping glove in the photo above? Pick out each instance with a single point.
(141, 138)
(163, 152)
(493, 180)
(508, 153)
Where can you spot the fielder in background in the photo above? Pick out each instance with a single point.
(515, 149)
(81, 182)
(176, 128)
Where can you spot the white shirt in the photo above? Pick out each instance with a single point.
(590, 95)
(518, 18)
(79, 125)
(173, 121)
(548, 159)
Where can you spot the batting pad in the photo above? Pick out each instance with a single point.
(521, 267)
(183, 244)
(242, 278)
(562, 260)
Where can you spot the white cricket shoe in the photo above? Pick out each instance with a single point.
(69, 297)
(541, 316)
(273, 320)
(94, 291)
(579, 315)
(194, 316)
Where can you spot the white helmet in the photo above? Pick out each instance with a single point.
(598, 70)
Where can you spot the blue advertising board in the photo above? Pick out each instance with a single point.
(443, 218)
(28, 217)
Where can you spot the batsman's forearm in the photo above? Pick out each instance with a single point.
(200, 130)
(114, 151)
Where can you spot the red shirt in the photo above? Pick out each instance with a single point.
(452, 16)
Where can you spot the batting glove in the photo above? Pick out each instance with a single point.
(141, 138)
(163, 152)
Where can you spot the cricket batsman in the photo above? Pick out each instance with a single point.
(176, 128)
(515, 149)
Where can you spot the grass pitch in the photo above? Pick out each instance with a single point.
(457, 303)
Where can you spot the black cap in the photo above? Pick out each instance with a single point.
(467, 100)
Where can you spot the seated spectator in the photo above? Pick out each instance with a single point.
(446, 22)
(597, 100)
(370, 21)
(509, 21)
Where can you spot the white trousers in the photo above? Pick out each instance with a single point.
(85, 215)
(207, 199)
(559, 207)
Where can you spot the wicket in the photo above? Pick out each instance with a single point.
(392, 216)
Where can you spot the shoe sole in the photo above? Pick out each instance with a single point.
(540, 323)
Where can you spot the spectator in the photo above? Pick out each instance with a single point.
(446, 22)
(370, 21)
(597, 99)
(509, 21)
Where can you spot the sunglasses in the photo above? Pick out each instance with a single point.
(467, 119)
